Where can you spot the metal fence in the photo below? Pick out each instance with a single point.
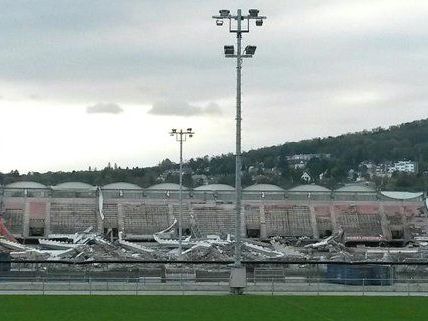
(147, 285)
(137, 278)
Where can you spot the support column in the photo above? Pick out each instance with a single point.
(100, 222)
(315, 232)
(26, 219)
(48, 219)
(403, 220)
(170, 213)
(333, 218)
(384, 222)
(263, 232)
(120, 218)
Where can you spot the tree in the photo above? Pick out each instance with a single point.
(165, 165)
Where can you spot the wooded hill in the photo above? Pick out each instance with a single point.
(408, 141)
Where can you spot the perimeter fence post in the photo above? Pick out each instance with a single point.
(43, 285)
(408, 288)
(90, 286)
(272, 286)
(181, 283)
(318, 286)
(364, 286)
(137, 281)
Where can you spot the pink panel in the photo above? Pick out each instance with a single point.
(368, 209)
(37, 210)
(322, 211)
(14, 205)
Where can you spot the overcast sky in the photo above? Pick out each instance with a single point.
(84, 83)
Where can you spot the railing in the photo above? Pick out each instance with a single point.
(135, 286)
(144, 285)
(183, 277)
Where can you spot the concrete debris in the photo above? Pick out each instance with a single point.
(134, 247)
(333, 240)
(15, 246)
(290, 252)
(88, 246)
(263, 250)
(57, 245)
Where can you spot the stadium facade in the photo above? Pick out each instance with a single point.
(31, 210)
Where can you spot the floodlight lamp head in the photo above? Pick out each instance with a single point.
(229, 50)
(190, 135)
(224, 13)
(189, 130)
(173, 130)
(219, 22)
(253, 13)
(250, 50)
(259, 22)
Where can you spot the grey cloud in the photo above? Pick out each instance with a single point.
(310, 53)
(34, 97)
(182, 108)
(104, 108)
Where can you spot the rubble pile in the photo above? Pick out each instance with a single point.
(88, 246)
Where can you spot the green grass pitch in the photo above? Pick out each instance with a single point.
(189, 308)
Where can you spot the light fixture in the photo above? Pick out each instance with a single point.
(250, 50)
(219, 22)
(259, 22)
(253, 13)
(229, 50)
(224, 12)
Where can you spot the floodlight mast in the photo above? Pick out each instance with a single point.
(248, 53)
(181, 136)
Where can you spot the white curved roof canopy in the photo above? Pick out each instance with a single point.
(401, 195)
(166, 187)
(73, 186)
(26, 184)
(215, 187)
(121, 186)
(309, 188)
(263, 188)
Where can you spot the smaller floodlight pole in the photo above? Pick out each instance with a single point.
(181, 136)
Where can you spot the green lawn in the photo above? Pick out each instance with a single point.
(178, 308)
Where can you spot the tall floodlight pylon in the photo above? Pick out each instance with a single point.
(238, 24)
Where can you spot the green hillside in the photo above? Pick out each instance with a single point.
(408, 141)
